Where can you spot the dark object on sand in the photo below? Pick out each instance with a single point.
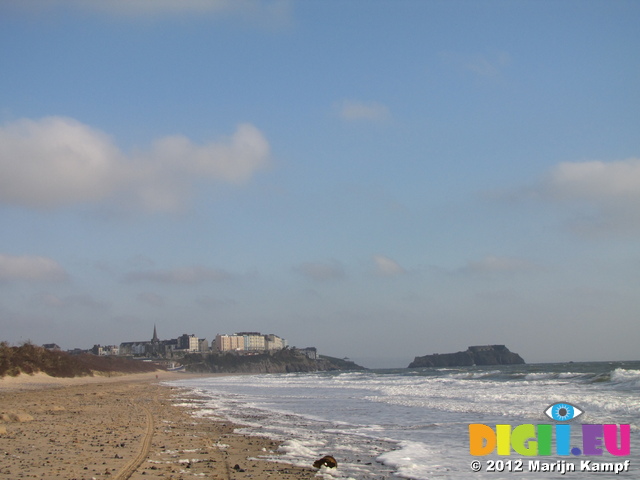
(327, 461)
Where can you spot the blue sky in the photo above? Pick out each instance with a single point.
(380, 179)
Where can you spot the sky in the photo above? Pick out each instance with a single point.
(378, 179)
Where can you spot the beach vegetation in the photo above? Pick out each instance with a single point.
(30, 359)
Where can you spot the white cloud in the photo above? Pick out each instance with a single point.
(355, 111)
(30, 268)
(79, 300)
(272, 12)
(186, 275)
(152, 7)
(59, 161)
(482, 65)
(321, 271)
(597, 181)
(609, 190)
(386, 266)
(55, 161)
(487, 67)
(233, 161)
(492, 264)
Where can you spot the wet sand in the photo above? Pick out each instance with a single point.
(119, 428)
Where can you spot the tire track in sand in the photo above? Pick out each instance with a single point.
(133, 465)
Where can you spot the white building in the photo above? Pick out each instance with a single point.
(274, 342)
(105, 350)
(203, 345)
(228, 343)
(248, 342)
(253, 341)
(190, 343)
(133, 348)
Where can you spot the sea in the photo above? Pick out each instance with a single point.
(414, 423)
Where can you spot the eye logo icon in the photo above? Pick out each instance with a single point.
(562, 412)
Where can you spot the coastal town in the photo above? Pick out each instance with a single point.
(240, 343)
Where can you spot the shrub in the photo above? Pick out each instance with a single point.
(30, 359)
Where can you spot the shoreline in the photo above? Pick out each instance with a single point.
(121, 427)
(42, 380)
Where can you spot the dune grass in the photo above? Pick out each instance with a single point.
(30, 359)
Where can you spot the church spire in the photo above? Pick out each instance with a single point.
(155, 335)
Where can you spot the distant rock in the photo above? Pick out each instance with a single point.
(477, 355)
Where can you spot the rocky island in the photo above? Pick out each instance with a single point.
(476, 355)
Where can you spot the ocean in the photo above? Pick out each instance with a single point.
(414, 423)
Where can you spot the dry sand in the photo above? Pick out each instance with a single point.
(119, 428)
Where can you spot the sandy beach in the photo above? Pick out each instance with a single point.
(122, 427)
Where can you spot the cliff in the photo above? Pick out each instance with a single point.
(478, 355)
(282, 361)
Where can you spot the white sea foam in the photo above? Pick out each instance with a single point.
(411, 424)
(626, 378)
(415, 460)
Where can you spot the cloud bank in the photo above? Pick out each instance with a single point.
(321, 271)
(70, 301)
(30, 268)
(386, 266)
(265, 11)
(481, 65)
(494, 264)
(353, 111)
(611, 191)
(186, 276)
(597, 181)
(59, 161)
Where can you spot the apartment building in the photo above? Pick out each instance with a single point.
(203, 345)
(253, 341)
(274, 342)
(228, 343)
(105, 350)
(190, 343)
(248, 342)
